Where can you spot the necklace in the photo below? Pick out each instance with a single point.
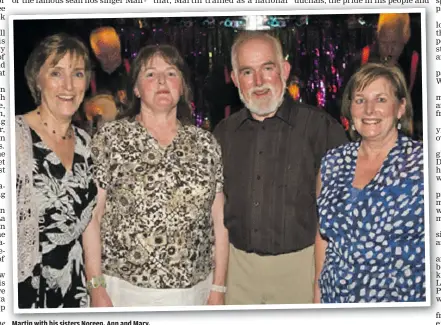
(68, 134)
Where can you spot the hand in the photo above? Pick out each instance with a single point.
(216, 298)
(100, 298)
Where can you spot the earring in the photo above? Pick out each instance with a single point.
(399, 125)
(353, 127)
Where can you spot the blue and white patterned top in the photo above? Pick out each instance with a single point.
(375, 235)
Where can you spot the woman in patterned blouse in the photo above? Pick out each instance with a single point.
(55, 189)
(370, 244)
(160, 196)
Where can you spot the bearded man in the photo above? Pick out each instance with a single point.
(272, 149)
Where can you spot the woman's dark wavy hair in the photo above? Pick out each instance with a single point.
(171, 55)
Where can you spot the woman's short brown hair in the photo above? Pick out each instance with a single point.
(57, 45)
(171, 55)
(367, 74)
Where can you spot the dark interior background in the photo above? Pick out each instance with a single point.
(318, 47)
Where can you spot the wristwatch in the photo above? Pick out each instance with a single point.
(95, 282)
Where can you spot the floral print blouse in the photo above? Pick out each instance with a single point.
(157, 231)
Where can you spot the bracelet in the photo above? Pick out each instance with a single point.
(95, 282)
(217, 288)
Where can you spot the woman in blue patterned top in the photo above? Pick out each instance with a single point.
(370, 242)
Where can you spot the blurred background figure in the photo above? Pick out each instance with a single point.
(108, 89)
(111, 73)
(392, 47)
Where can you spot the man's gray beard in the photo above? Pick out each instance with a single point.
(259, 112)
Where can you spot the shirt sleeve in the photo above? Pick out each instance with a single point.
(328, 134)
(100, 153)
(336, 135)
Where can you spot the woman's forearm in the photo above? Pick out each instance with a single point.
(221, 249)
(92, 238)
(320, 249)
(92, 249)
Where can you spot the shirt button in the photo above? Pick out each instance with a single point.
(263, 127)
(260, 152)
(258, 177)
(256, 204)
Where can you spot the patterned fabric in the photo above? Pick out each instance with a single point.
(375, 235)
(157, 230)
(26, 211)
(65, 203)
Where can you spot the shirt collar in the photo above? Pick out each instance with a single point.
(283, 113)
